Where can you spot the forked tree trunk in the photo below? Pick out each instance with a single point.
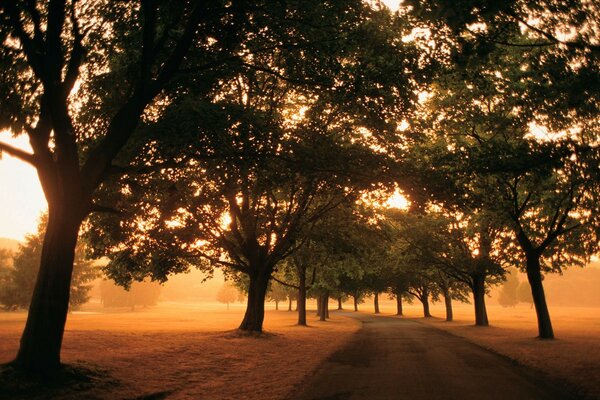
(355, 300)
(376, 303)
(340, 307)
(301, 303)
(534, 276)
(481, 318)
(399, 305)
(42, 338)
(448, 303)
(255, 310)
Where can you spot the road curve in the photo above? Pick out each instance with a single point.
(393, 358)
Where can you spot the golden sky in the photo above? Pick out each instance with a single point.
(21, 197)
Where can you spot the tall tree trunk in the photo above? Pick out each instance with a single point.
(448, 303)
(42, 338)
(289, 303)
(340, 307)
(534, 276)
(481, 318)
(301, 303)
(376, 303)
(324, 309)
(355, 299)
(399, 304)
(425, 301)
(319, 305)
(255, 310)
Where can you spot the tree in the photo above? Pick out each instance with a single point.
(20, 278)
(508, 293)
(49, 47)
(227, 294)
(244, 189)
(524, 293)
(277, 292)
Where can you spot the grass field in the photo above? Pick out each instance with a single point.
(185, 352)
(192, 351)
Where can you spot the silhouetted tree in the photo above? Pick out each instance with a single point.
(227, 294)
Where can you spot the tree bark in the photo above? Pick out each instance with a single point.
(42, 338)
(481, 318)
(399, 305)
(277, 305)
(324, 309)
(301, 303)
(319, 305)
(290, 303)
(340, 307)
(355, 299)
(376, 303)
(534, 276)
(448, 303)
(255, 310)
(425, 301)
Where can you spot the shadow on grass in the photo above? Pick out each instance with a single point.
(69, 382)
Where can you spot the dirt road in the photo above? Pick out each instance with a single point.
(392, 358)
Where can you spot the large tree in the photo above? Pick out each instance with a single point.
(293, 136)
(58, 55)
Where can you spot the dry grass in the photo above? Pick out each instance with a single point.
(188, 352)
(573, 357)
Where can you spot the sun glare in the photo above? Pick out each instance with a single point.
(21, 197)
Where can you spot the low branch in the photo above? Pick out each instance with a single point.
(18, 153)
(284, 283)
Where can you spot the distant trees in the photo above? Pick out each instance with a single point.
(508, 292)
(19, 275)
(144, 294)
(227, 294)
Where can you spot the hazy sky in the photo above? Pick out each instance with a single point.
(21, 197)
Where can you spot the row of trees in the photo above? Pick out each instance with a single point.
(242, 135)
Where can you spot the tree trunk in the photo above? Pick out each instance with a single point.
(255, 310)
(355, 299)
(534, 276)
(319, 305)
(399, 305)
(277, 305)
(425, 301)
(340, 307)
(301, 303)
(481, 318)
(289, 303)
(42, 338)
(376, 303)
(324, 309)
(448, 303)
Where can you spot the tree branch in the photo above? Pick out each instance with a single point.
(18, 153)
